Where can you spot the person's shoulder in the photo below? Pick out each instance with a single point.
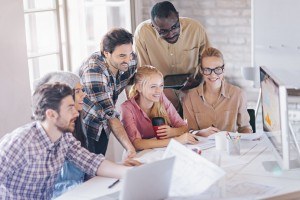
(93, 62)
(94, 57)
(128, 104)
(21, 136)
(194, 91)
(144, 27)
(233, 89)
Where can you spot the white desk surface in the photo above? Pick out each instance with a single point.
(243, 169)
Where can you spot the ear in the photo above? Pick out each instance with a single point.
(51, 114)
(138, 87)
(106, 54)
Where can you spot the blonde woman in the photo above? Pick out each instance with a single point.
(147, 101)
(215, 105)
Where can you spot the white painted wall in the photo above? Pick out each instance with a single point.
(15, 100)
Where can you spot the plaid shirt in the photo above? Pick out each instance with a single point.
(30, 162)
(102, 88)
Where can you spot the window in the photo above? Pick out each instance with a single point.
(61, 33)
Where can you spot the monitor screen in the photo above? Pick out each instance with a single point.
(270, 100)
(274, 98)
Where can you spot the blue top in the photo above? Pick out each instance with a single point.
(69, 177)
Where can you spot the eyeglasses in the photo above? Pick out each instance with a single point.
(165, 32)
(217, 70)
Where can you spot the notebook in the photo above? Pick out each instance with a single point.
(148, 182)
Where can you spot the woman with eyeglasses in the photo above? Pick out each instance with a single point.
(215, 105)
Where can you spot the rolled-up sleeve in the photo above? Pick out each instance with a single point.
(188, 112)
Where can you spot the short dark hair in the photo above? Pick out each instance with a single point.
(163, 10)
(115, 37)
(48, 96)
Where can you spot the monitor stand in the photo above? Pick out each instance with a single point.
(271, 166)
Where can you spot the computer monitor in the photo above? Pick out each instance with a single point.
(275, 118)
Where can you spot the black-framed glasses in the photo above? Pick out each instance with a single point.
(217, 70)
(165, 32)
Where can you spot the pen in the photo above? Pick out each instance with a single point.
(229, 135)
(196, 139)
(114, 183)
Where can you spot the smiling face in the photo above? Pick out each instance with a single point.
(79, 96)
(212, 79)
(168, 28)
(119, 59)
(152, 89)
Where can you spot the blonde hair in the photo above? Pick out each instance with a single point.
(142, 76)
(212, 52)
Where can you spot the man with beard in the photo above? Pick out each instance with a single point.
(32, 156)
(172, 44)
(104, 75)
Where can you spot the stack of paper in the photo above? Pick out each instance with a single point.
(192, 174)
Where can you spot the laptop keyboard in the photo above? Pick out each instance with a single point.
(112, 196)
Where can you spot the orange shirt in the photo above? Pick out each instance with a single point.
(180, 57)
(228, 114)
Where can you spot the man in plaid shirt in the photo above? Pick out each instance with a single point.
(104, 75)
(32, 156)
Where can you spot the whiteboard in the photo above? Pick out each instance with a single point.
(276, 33)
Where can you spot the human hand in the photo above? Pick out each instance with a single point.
(131, 162)
(208, 131)
(164, 132)
(131, 153)
(187, 138)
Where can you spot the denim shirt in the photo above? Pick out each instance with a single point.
(69, 177)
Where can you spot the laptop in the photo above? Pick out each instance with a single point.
(148, 182)
(175, 81)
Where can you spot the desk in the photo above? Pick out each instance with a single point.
(241, 171)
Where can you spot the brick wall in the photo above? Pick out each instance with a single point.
(228, 25)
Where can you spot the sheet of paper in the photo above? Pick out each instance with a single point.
(244, 136)
(204, 143)
(249, 189)
(192, 174)
(150, 155)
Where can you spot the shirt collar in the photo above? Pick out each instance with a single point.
(133, 101)
(43, 137)
(224, 90)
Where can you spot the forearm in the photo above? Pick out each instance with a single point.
(112, 170)
(141, 144)
(120, 133)
(245, 130)
(180, 130)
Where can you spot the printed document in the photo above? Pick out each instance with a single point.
(192, 174)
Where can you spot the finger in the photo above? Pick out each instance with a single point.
(161, 131)
(162, 127)
(131, 154)
(163, 136)
(192, 141)
(132, 163)
(215, 129)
